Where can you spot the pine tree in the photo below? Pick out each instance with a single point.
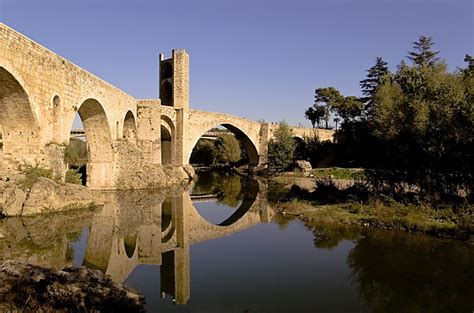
(422, 55)
(369, 86)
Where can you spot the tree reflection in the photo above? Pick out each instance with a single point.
(396, 272)
(229, 188)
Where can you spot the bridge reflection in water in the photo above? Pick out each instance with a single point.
(134, 228)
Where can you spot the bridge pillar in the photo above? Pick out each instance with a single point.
(148, 130)
(264, 136)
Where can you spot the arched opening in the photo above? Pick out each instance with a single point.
(224, 145)
(18, 123)
(1, 140)
(300, 148)
(166, 93)
(57, 119)
(166, 146)
(167, 141)
(166, 70)
(129, 128)
(90, 147)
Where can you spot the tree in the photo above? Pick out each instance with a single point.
(314, 114)
(349, 108)
(369, 86)
(327, 98)
(281, 148)
(422, 55)
(228, 148)
(336, 120)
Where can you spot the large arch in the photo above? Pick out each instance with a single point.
(20, 131)
(130, 128)
(99, 144)
(240, 135)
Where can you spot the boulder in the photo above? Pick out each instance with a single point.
(48, 196)
(303, 166)
(27, 288)
(13, 200)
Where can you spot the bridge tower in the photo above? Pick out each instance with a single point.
(174, 92)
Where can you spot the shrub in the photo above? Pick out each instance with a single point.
(73, 177)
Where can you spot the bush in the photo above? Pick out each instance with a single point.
(32, 173)
(281, 148)
(73, 177)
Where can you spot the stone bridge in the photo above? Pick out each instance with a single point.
(41, 93)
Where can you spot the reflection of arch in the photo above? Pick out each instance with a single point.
(167, 140)
(166, 93)
(130, 244)
(129, 127)
(18, 121)
(241, 137)
(250, 190)
(167, 224)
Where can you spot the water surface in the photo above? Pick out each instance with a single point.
(220, 247)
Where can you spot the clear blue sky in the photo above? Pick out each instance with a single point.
(257, 59)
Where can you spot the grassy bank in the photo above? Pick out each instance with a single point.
(384, 213)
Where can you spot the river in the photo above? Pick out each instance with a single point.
(220, 247)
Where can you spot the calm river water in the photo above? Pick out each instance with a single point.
(221, 248)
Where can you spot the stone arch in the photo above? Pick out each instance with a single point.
(129, 127)
(20, 131)
(99, 143)
(166, 93)
(240, 135)
(167, 140)
(57, 119)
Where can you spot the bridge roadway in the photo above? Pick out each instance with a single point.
(41, 93)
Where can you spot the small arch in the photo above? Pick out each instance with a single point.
(57, 119)
(129, 128)
(166, 70)
(117, 130)
(166, 93)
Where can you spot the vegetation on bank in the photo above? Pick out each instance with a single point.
(357, 206)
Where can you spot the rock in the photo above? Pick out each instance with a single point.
(303, 166)
(27, 288)
(14, 198)
(48, 196)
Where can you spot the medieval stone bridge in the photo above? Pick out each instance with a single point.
(41, 93)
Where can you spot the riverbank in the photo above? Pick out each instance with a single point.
(300, 197)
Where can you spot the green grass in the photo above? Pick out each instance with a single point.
(339, 173)
(394, 216)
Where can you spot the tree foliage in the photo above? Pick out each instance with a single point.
(76, 152)
(375, 75)
(422, 55)
(281, 148)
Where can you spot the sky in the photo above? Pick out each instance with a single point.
(260, 59)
